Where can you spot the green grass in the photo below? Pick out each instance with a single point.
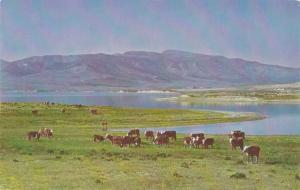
(72, 161)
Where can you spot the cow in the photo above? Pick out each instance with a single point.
(207, 142)
(63, 110)
(149, 135)
(168, 134)
(251, 152)
(197, 141)
(134, 132)
(187, 141)
(98, 138)
(161, 139)
(127, 140)
(34, 112)
(171, 134)
(237, 142)
(200, 135)
(93, 111)
(33, 134)
(46, 132)
(237, 134)
(117, 140)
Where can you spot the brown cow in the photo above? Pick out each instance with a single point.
(63, 110)
(187, 141)
(33, 134)
(161, 139)
(134, 132)
(117, 140)
(46, 132)
(237, 134)
(197, 141)
(93, 111)
(237, 142)
(34, 112)
(168, 134)
(200, 135)
(149, 134)
(98, 138)
(208, 141)
(127, 140)
(251, 152)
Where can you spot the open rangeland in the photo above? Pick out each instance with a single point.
(71, 160)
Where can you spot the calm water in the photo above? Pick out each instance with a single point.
(281, 118)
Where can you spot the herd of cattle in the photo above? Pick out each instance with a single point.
(195, 140)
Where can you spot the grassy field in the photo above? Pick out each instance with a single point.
(72, 161)
(288, 93)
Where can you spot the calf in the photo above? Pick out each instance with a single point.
(251, 152)
(149, 134)
(33, 134)
(207, 142)
(98, 138)
(236, 142)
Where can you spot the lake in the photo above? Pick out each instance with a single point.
(282, 119)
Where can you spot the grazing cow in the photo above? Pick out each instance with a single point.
(208, 141)
(33, 134)
(63, 110)
(134, 132)
(93, 111)
(197, 141)
(127, 140)
(168, 134)
(200, 135)
(237, 142)
(34, 112)
(161, 139)
(187, 141)
(149, 134)
(237, 134)
(251, 152)
(98, 138)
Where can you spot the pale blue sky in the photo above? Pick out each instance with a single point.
(263, 30)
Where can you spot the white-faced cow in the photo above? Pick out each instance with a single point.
(251, 152)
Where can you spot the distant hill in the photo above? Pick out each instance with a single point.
(138, 69)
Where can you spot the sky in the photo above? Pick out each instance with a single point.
(267, 31)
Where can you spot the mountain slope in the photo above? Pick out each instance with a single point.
(138, 69)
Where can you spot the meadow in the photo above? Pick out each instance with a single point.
(72, 161)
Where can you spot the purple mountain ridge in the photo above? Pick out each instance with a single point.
(138, 69)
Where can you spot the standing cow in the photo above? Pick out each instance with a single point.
(207, 142)
(236, 142)
(149, 135)
(251, 152)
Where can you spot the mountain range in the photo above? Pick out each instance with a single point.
(138, 69)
